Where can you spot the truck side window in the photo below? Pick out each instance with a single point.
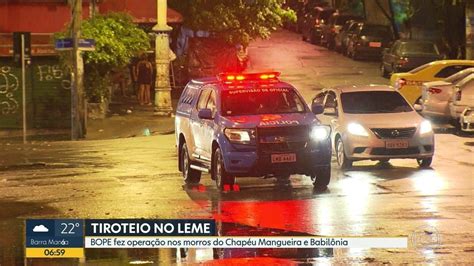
(211, 104)
(203, 98)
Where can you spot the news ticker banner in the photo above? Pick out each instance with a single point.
(67, 238)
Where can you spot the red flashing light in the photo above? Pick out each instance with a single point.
(232, 77)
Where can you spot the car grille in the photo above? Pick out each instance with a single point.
(282, 139)
(384, 151)
(394, 133)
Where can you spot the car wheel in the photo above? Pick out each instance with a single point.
(322, 177)
(221, 176)
(424, 162)
(383, 71)
(342, 160)
(354, 55)
(303, 38)
(190, 176)
(384, 160)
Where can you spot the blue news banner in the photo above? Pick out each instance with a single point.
(66, 238)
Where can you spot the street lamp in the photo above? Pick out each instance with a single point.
(163, 56)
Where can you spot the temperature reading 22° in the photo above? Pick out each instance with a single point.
(68, 228)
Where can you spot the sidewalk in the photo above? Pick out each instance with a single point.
(128, 119)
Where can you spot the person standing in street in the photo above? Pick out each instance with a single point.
(144, 76)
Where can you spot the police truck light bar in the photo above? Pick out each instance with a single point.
(232, 77)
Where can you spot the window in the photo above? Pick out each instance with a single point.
(319, 99)
(371, 102)
(202, 103)
(450, 70)
(331, 101)
(211, 104)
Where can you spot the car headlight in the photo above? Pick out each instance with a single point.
(320, 132)
(357, 130)
(425, 127)
(240, 136)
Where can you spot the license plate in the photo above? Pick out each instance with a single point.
(396, 144)
(375, 44)
(284, 158)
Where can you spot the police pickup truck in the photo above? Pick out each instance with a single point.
(249, 125)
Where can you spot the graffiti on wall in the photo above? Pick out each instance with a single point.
(9, 84)
(54, 73)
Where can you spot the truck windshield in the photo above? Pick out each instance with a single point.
(371, 102)
(254, 101)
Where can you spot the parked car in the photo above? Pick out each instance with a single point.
(313, 26)
(253, 124)
(409, 83)
(435, 95)
(467, 119)
(341, 39)
(463, 97)
(333, 27)
(405, 55)
(374, 122)
(369, 40)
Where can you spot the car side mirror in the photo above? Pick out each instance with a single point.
(205, 114)
(418, 107)
(317, 108)
(331, 111)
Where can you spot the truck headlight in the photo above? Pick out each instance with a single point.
(357, 130)
(240, 136)
(425, 127)
(320, 132)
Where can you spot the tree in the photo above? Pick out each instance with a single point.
(117, 39)
(236, 21)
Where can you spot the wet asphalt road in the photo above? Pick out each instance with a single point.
(138, 178)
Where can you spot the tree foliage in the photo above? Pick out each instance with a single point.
(236, 21)
(117, 39)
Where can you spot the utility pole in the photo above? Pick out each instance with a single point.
(163, 56)
(78, 130)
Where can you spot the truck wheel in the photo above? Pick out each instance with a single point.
(190, 176)
(221, 176)
(323, 176)
(342, 160)
(424, 162)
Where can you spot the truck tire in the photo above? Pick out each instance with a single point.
(190, 176)
(218, 170)
(322, 177)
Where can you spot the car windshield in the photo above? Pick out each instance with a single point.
(372, 102)
(340, 20)
(260, 100)
(419, 48)
(325, 14)
(375, 30)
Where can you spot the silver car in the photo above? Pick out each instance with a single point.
(374, 122)
(435, 95)
(462, 97)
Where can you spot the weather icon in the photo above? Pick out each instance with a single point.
(40, 229)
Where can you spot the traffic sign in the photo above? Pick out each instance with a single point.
(66, 44)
